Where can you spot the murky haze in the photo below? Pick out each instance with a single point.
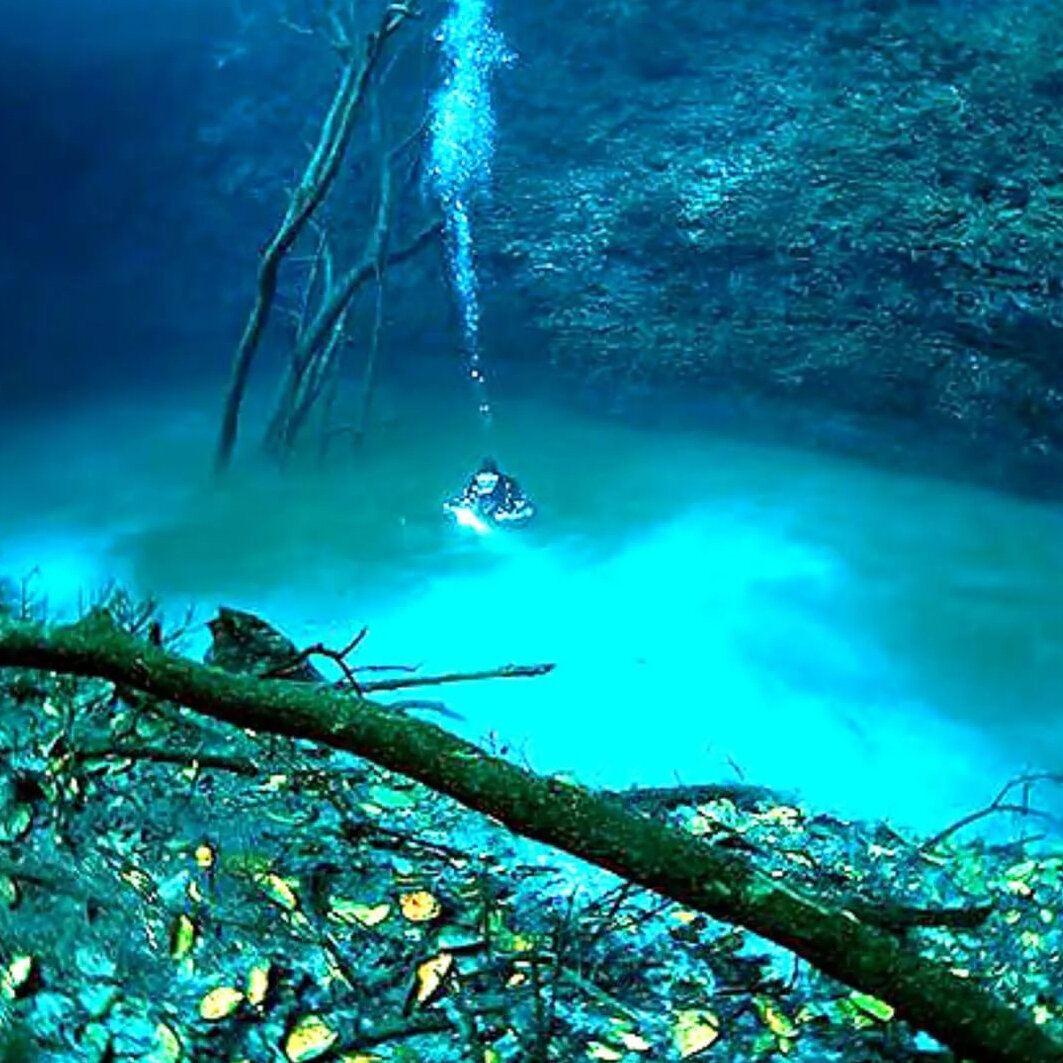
(886, 644)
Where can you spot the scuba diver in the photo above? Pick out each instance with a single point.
(491, 499)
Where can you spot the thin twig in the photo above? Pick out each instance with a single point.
(319, 649)
(1025, 780)
(507, 671)
(973, 817)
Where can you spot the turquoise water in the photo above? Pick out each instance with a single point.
(885, 644)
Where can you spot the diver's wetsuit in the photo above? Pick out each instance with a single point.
(505, 503)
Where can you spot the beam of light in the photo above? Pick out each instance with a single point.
(461, 147)
(466, 518)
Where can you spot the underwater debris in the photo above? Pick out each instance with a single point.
(453, 925)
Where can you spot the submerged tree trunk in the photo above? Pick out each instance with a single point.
(725, 884)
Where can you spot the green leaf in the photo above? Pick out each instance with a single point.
(182, 937)
(877, 1009)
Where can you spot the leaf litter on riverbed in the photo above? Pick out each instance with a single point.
(327, 909)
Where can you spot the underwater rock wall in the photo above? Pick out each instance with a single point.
(850, 213)
(859, 211)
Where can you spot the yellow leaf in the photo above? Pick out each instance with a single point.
(204, 857)
(633, 1043)
(310, 1037)
(596, 1050)
(258, 983)
(431, 975)
(365, 914)
(784, 814)
(419, 907)
(279, 890)
(220, 1003)
(694, 1031)
(778, 1022)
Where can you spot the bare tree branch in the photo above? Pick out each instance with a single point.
(313, 186)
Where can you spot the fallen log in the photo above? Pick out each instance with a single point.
(725, 884)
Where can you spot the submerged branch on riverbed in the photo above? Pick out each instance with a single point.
(759, 870)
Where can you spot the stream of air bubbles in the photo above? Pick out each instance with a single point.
(462, 143)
